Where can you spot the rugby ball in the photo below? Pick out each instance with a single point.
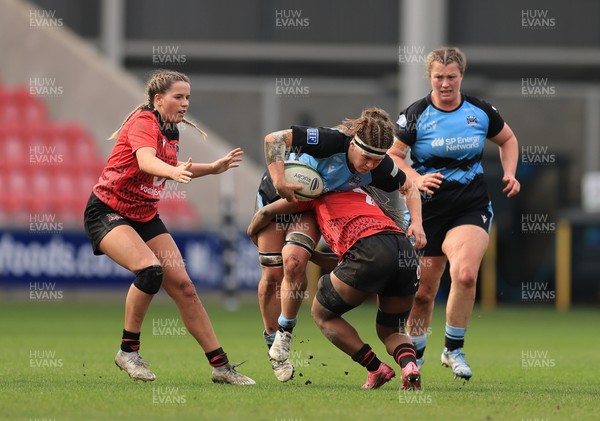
(297, 172)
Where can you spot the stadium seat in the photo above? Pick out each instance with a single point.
(31, 109)
(51, 168)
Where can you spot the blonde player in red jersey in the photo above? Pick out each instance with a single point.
(121, 221)
(375, 257)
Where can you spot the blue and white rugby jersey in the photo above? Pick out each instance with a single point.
(450, 142)
(326, 150)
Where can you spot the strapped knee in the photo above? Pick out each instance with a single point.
(270, 259)
(393, 319)
(148, 280)
(301, 240)
(329, 297)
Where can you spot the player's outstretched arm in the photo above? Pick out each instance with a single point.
(327, 261)
(412, 197)
(150, 164)
(277, 145)
(263, 216)
(509, 157)
(426, 182)
(231, 160)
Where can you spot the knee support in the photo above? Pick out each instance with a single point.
(329, 297)
(148, 280)
(270, 259)
(393, 319)
(301, 240)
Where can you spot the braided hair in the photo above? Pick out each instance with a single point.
(445, 56)
(159, 82)
(373, 126)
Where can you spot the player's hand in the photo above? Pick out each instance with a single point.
(513, 187)
(260, 220)
(231, 160)
(182, 173)
(416, 231)
(286, 191)
(326, 261)
(429, 182)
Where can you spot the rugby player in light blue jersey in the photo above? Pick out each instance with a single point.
(348, 156)
(445, 133)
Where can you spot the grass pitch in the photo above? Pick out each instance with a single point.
(56, 363)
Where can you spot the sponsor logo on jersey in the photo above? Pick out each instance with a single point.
(331, 169)
(456, 143)
(354, 180)
(402, 121)
(312, 136)
(437, 142)
(471, 120)
(484, 218)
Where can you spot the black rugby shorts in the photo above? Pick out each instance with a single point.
(99, 219)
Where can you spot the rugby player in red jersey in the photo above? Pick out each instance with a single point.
(375, 257)
(121, 221)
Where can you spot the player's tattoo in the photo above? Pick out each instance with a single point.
(276, 150)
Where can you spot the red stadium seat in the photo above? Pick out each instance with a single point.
(31, 109)
(51, 169)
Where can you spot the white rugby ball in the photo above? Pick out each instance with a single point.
(297, 172)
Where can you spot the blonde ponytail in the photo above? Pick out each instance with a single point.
(193, 125)
(139, 107)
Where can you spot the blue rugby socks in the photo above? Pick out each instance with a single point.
(455, 337)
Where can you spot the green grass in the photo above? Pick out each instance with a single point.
(82, 338)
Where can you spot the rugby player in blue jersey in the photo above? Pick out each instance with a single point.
(445, 133)
(348, 156)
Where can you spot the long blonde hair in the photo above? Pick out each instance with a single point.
(159, 82)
